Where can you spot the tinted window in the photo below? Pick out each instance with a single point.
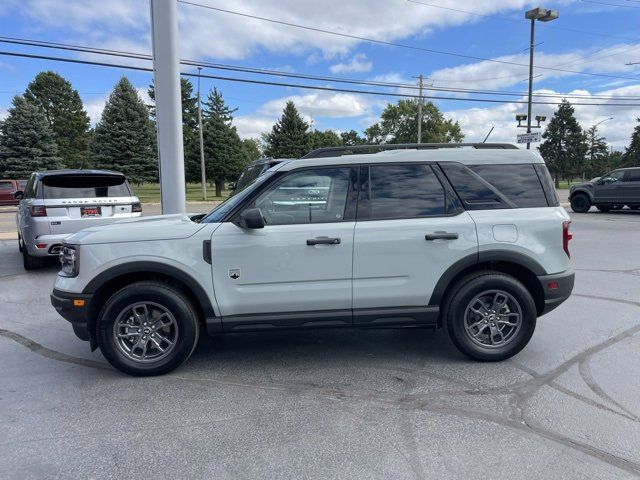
(632, 175)
(613, 176)
(30, 189)
(84, 186)
(473, 190)
(519, 183)
(403, 191)
(6, 185)
(250, 174)
(547, 184)
(307, 196)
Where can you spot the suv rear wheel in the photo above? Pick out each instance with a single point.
(490, 316)
(147, 328)
(29, 262)
(580, 203)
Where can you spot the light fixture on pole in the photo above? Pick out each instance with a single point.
(542, 15)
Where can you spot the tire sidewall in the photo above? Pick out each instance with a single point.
(580, 203)
(169, 298)
(455, 316)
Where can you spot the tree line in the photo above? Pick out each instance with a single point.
(571, 152)
(48, 128)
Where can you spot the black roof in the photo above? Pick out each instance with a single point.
(77, 171)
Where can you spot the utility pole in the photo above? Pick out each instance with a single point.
(420, 79)
(166, 77)
(203, 175)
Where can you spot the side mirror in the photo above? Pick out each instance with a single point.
(252, 218)
(232, 186)
(600, 181)
(19, 195)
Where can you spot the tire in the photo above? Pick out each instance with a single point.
(29, 262)
(174, 335)
(604, 208)
(633, 207)
(460, 320)
(580, 203)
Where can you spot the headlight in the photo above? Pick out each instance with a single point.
(69, 261)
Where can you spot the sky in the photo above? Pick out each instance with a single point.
(486, 44)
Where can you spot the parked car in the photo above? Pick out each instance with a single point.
(8, 189)
(58, 203)
(611, 191)
(467, 237)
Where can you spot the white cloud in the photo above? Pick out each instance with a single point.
(323, 104)
(252, 126)
(476, 122)
(358, 63)
(4, 113)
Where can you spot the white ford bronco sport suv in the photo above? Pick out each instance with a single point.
(469, 237)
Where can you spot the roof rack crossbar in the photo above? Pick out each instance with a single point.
(340, 151)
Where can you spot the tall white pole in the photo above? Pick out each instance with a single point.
(420, 110)
(166, 76)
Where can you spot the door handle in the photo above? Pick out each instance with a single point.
(441, 236)
(323, 241)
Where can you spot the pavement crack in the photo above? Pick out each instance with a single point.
(48, 353)
(587, 376)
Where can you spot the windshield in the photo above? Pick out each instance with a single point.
(249, 176)
(219, 212)
(84, 186)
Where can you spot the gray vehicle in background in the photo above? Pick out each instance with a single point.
(58, 203)
(613, 190)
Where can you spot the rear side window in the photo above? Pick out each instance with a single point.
(547, 184)
(84, 186)
(6, 185)
(518, 182)
(632, 175)
(402, 191)
(473, 190)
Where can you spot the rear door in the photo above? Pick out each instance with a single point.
(7, 189)
(409, 231)
(78, 201)
(631, 186)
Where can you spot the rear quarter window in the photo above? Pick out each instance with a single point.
(517, 182)
(84, 186)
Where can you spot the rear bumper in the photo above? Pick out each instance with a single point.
(557, 288)
(75, 308)
(52, 244)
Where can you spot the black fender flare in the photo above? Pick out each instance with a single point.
(465, 263)
(582, 190)
(154, 267)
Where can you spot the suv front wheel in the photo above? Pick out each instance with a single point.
(147, 328)
(490, 316)
(580, 203)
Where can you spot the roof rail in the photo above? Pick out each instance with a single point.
(340, 151)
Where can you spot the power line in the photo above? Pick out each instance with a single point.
(146, 57)
(519, 22)
(301, 86)
(611, 4)
(391, 44)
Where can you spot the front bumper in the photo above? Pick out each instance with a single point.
(557, 288)
(75, 308)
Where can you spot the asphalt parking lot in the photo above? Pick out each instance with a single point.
(337, 404)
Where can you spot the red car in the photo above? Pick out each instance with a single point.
(8, 188)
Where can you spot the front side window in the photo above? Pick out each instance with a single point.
(84, 186)
(402, 191)
(613, 176)
(6, 185)
(306, 196)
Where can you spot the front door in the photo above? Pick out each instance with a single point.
(609, 189)
(404, 242)
(296, 271)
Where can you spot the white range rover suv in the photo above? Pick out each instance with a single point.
(468, 237)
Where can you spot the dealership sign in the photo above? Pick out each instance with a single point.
(529, 137)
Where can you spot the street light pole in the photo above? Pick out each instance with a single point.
(543, 15)
(420, 79)
(203, 175)
(530, 102)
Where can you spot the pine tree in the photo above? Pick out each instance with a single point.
(632, 152)
(564, 147)
(124, 139)
(326, 138)
(251, 149)
(597, 154)
(214, 106)
(224, 153)
(27, 143)
(65, 114)
(190, 138)
(289, 137)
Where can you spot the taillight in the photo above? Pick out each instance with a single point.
(136, 207)
(566, 236)
(38, 211)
